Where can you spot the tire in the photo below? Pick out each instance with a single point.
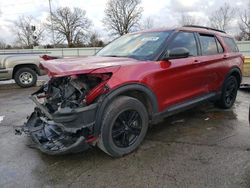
(125, 124)
(25, 77)
(229, 93)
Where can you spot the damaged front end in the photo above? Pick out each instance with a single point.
(64, 117)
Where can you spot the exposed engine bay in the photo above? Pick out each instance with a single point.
(65, 112)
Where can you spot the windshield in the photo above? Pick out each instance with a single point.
(142, 46)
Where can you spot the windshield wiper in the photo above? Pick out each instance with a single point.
(114, 56)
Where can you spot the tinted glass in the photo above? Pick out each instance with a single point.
(185, 40)
(143, 46)
(208, 45)
(231, 44)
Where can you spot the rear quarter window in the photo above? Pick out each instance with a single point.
(231, 44)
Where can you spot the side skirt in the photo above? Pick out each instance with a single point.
(184, 106)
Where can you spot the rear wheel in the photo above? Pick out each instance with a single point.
(25, 77)
(125, 123)
(229, 93)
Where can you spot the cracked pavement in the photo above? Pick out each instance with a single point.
(202, 147)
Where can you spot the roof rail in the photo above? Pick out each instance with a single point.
(203, 27)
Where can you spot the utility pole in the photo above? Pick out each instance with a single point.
(52, 25)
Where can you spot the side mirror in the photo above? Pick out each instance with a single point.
(177, 53)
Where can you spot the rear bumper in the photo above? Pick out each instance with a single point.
(6, 74)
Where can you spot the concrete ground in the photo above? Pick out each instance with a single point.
(202, 147)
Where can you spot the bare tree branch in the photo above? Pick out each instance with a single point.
(122, 16)
(94, 40)
(221, 18)
(244, 24)
(70, 26)
(2, 44)
(147, 23)
(26, 37)
(188, 20)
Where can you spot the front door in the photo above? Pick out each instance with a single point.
(183, 79)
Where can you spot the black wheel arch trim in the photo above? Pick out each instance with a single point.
(233, 70)
(118, 91)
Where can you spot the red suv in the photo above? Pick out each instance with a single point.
(109, 99)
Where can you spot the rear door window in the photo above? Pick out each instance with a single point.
(231, 44)
(185, 40)
(209, 45)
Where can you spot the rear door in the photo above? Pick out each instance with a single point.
(212, 60)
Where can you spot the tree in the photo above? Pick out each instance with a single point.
(221, 18)
(3, 45)
(147, 23)
(69, 25)
(27, 34)
(95, 41)
(188, 20)
(244, 24)
(122, 16)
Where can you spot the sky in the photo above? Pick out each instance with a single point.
(165, 13)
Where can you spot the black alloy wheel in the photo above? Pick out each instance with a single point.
(127, 128)
(228, 93)
(124, 126)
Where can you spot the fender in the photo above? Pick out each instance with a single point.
(114, 93)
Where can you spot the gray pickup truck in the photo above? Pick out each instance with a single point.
(23, 68)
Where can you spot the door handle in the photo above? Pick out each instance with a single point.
(196, 61)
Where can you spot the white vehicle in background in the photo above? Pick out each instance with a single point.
(23, 68)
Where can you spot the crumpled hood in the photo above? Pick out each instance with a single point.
(73, 66)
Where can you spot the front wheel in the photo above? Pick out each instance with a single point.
(229, 93)
(25, 77)
(125, 123)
